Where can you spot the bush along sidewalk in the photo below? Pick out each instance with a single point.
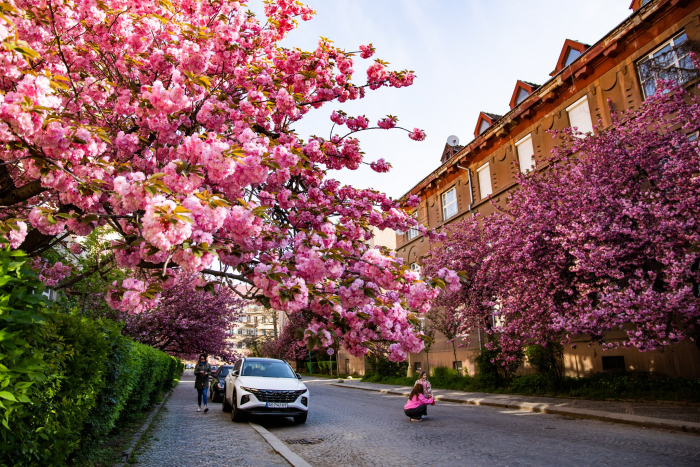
(65, 381)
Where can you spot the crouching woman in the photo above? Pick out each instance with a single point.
(417, 405)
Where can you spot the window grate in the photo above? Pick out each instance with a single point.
(269, 395)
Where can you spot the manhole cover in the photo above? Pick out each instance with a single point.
(304, 441)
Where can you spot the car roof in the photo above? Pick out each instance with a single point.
(258, 359)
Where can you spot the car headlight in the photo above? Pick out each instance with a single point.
(221, 384)
(252, 391)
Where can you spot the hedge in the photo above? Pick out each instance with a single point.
(322, 367)
(65, 380)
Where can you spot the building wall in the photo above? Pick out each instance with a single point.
(605, 72)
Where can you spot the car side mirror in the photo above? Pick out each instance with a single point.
(298, 375)
(235, 372)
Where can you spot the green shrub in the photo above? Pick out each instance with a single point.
(379, 364)
(65, 380)
(548, 361)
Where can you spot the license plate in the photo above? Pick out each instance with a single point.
(276, 405)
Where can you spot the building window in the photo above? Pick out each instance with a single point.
(449, 204)
(614, 363)
(262, 332)
(240, 332)
(247, 318)
(457, 366)
(264, 319)
(572, 55)
(415, 267)
(484, 174)
(484, 126)
(667, 62)
(693, 136)
(522, 95)
(417, 366)
(413, 232)
(580, 116)
(526, 154)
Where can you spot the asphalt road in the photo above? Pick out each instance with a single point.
(349, 427)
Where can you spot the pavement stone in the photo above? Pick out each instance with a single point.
(184, 437)
(363, 428)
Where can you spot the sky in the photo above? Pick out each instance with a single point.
(467, 56)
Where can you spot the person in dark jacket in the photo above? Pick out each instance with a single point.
(201, 381)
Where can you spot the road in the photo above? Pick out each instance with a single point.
(353, 428)
(360, 428)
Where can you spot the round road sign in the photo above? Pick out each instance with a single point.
(330, 351)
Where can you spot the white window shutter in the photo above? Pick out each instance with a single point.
(580, 115)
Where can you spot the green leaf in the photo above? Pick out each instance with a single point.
(8, 396)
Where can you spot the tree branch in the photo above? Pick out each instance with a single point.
(22, 193)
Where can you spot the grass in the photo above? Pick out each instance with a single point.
(600, 386)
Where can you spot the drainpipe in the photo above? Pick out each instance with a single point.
(471, 194)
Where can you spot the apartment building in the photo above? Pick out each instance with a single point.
(255, 325)
(587, 84)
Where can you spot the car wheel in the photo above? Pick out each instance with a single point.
(237, 414)
(225, 406)
(301, 418)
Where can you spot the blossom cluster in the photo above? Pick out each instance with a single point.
(604, 243)
(173, 126)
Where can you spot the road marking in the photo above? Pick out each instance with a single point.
(280, 447)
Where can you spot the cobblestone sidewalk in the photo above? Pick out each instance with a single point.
(661, 410)
(181, 436)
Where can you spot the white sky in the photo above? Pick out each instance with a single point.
(467, 55)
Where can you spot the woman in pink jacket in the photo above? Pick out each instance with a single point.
(417, 404)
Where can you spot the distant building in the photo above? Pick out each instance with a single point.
(255, 325)
(588, 83)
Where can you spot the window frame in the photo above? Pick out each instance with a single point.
(414, 266)
(574, 106)
(650, 56)
(412, 233)
(519, 143)
(445, 207)
(481, 190)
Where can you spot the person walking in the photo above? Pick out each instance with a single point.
(201, 381)
(417, 404)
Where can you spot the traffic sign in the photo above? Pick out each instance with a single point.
(330, 351)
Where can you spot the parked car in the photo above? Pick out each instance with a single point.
(216, 388)
(265, 386)
(213, 369)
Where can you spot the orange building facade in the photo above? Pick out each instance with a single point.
(588, 83)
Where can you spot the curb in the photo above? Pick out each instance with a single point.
(636, 420)
(294, 459)
(126, 455)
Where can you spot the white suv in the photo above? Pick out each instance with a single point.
(265, 386)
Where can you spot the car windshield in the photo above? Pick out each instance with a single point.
(214, 367)
(267, 369)
(224, 371)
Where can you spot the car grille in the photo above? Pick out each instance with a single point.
(270, 395)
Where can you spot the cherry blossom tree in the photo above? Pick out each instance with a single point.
(607, 239)
(172, 122)
(188, 321)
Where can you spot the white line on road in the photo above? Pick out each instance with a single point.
(280, 447)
